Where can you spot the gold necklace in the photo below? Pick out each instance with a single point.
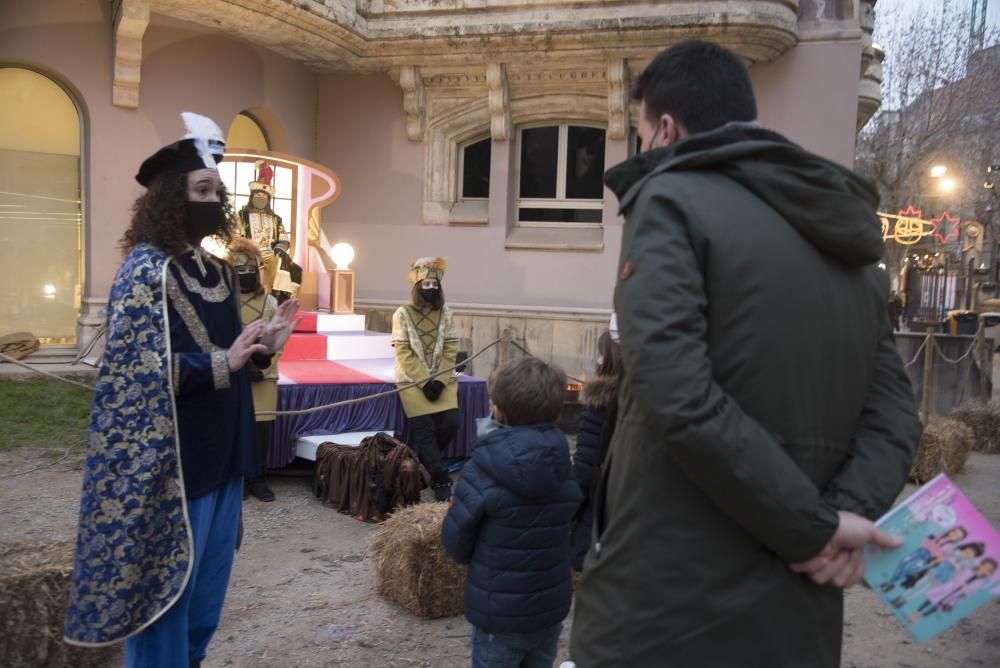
(215, 294)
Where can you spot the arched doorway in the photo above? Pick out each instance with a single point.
(41, 220)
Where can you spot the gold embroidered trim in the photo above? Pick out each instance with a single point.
(189, 316)
(220, 370)
(216, 294)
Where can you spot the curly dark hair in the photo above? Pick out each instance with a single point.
(158, 216)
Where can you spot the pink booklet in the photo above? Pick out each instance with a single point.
(947, 565)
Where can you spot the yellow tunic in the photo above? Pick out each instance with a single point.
(425, 342)
(265, 392)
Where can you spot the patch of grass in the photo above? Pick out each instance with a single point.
(42, 413)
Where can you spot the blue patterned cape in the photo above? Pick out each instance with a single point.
(134, 550)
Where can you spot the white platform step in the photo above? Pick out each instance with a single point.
(307, 446)
(328, 323)
(358, 346)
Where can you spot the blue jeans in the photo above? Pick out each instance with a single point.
(182, 634)
(515, 650)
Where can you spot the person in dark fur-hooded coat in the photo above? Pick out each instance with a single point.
(597, 423)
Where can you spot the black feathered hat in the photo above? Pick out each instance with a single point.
(201, 148)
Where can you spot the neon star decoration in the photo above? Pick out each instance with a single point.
(907, 227)
(951, 227)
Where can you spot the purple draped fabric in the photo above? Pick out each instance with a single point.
(385, 414)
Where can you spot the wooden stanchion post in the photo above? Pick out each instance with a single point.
(505, 346)
(985, 366)
(925, 394)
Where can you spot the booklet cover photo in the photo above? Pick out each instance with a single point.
(947, 565)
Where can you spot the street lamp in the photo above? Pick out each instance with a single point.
(937, 171)
(947, 185)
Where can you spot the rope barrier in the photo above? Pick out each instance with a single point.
(529, 354)
(972, 347)
(917, 355)
(370, 397)
(8, 358)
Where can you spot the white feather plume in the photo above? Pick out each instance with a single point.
(208, 138)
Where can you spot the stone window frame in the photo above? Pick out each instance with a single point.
(568, 203)
(457, 122)
(555, 109)
(445, 136)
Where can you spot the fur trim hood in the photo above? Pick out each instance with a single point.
(600, 392)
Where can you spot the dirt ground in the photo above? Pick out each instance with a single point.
(302, 590)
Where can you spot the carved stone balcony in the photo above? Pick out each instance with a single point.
(386, 34)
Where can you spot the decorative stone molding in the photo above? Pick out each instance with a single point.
(499, 97)
(379, 35)
(413, 101)
(131, 18)
(618, 99)
(870, 86)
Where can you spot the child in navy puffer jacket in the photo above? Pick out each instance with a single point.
(510, 521)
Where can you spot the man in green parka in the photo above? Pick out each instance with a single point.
(764, 412)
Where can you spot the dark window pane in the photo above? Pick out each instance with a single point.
(539, 161)
(584, 163)
(526, 215)
(476, 169)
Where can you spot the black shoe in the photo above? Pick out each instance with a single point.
(442, 491)
(260, 489)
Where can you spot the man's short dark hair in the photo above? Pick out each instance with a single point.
(703, 86)
(528, 391)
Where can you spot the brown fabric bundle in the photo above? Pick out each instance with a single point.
(18, 345)
(371, 480)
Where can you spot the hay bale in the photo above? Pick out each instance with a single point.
(411, 566)
(943, 448)
(34, 584)
(984, 419)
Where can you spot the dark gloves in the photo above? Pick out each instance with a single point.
(432, 389)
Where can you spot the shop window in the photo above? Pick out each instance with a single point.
(560, 176)
(41, 220)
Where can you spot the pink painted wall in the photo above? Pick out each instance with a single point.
(183, 69)
(811, 96)
(362, 137)
(355, 125)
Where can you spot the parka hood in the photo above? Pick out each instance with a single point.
(829, 205)
(529, 461)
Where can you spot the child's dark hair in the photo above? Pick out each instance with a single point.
(611, 354)
(991, 561)
(528, 391)
(978, 548)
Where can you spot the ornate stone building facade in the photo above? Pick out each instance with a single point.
(476, 129)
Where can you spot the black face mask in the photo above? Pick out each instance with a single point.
(203, 219)
(249, 282)
(429, 294)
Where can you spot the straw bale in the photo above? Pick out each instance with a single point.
(944, 448)
(34, 582)
(984, 419)
(411, 566)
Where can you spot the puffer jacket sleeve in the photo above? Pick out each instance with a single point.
(588, 448)
(458, 532)
(885, 440)
(739, 465)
